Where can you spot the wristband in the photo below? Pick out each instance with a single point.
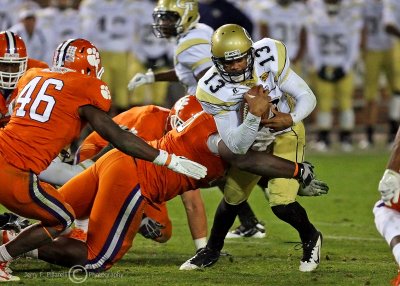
(162, 159)
(296, 170)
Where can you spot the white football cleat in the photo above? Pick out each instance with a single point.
(311, 254)
(5, 273)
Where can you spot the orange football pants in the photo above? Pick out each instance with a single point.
(24, 194)
(109, 194)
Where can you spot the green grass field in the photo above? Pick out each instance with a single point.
(353, 252)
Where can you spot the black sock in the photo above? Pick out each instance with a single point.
(323, 136)
(345, 136)
(295, 215)
(223, 220)
(370, 134)
(393, 126)
(246, 216)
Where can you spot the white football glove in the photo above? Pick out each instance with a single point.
(389, 187)
(140, 79)
(181, 165)
(315, 188)
(264, 138)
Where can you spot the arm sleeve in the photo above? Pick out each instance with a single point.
(301, 92)
(58, 173)
(237, 138)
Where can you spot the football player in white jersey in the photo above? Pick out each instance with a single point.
(378, 51)
(178, 20)
(240, 64)
(334, 45)
(285, 20)
(391, 20)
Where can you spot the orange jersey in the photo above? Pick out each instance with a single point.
(45, 118)
(147, 122)
(5, 99)
(160, 184)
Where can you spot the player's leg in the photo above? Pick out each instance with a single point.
(373, 68)
(345, 90)
(282, 198)
(237, 189)
(324, 92)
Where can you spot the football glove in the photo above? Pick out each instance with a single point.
(315, 188)
(181, 165)
(140, 79)
(150, 228)
(305, 174)
(389, 187)
(332, 74)
(263, 139)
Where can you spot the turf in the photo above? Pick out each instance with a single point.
(353, 252)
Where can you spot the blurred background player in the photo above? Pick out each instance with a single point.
(177, 20)
(35, 38)
(149, 52)
(334, 44)
(109, 24)
(285, 21)
(391, 20)
(378, 61)
(59, 22)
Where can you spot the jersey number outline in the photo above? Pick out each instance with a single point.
(25, 97)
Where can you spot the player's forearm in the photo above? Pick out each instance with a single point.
(239, 139)
(259, 163)
(305, 98)
(169, 75)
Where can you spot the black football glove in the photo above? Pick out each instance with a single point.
(305, 174)
(150, 228)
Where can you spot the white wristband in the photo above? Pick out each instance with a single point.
(162, 158)
(200, 242)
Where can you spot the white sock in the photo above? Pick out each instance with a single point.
(82, 224)
(32, 254)
(200, 242)
(4, 255)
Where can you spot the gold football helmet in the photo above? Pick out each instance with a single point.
(174, 17)
(229, 43)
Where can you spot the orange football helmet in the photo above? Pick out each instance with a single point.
(79, 55)
(182, 110)
(13, 59)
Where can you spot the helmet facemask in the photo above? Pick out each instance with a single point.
(235, 76)
(11, 70)
(166, 24)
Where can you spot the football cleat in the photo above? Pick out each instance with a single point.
(78, 234)
(204, 257)
(311, 254)
(258, 231)
(15, 222)
(5, 273)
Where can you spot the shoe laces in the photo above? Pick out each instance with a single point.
(396, 281)
(78, 234)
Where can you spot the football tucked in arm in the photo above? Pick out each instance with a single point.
(244, 107)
